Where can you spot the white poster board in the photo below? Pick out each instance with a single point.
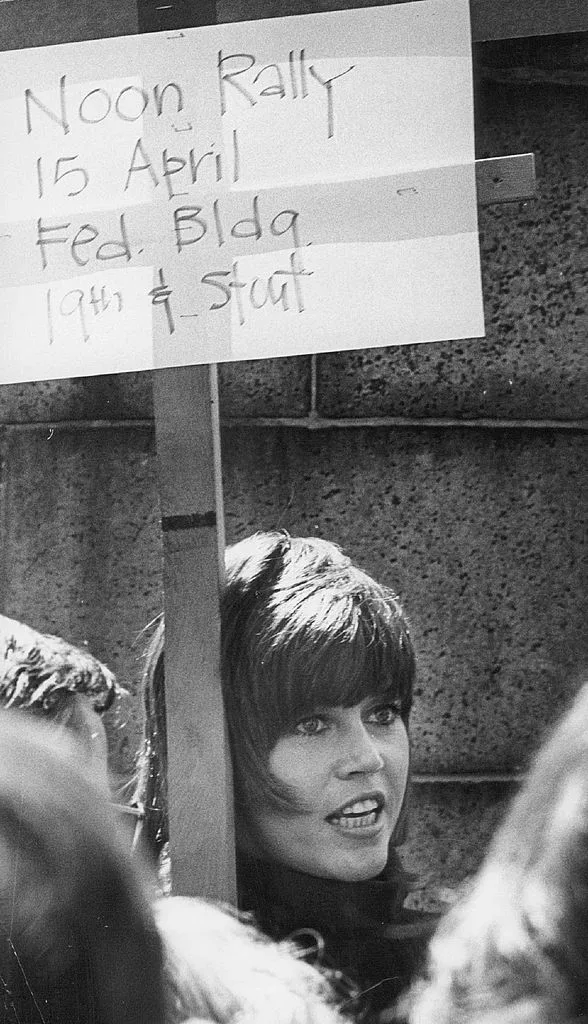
(258, 189)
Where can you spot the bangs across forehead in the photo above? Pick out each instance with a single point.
(347, 648)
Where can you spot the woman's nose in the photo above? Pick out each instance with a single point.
(360, 755)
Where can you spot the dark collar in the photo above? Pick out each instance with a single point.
(276, 893)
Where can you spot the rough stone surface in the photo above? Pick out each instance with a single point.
(450, 827)
(81, 548)
(533, 362)
(45, 24)
(265, 387)
(116, 396)
(483, 535)
(252, 10)
(480, 532)
(261, 387)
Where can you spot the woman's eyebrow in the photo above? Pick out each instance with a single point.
(318, 709)
(393, 699)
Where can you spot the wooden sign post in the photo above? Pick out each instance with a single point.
(199, 776)
(187, 433)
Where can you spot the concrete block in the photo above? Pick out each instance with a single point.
(482, 533)
(450, 828)
(261, 387)
(81, 550)
(116, 396)
(41, 24)
(265, 387)
(252, 10)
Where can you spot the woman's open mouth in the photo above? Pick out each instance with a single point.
(359, 815)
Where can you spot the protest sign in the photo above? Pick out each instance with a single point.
(259, 189)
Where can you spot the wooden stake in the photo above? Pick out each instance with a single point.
(199, 774)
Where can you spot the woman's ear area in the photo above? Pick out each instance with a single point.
(81, 722)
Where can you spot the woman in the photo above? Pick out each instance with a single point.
(317, 673)
(515, 949)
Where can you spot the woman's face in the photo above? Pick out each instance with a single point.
(348, 769)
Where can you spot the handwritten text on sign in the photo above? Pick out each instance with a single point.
(258, 189)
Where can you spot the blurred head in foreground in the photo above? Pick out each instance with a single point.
(219, 969)
(79, 942)
(54, 680)
(515, 949)
(77, 938)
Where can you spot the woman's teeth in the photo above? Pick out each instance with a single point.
(357, 822)
(360, 814)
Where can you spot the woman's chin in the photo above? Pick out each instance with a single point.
(358, 869)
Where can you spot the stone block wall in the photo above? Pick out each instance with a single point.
(454, 472)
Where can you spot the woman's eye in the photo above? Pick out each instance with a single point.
(310, 726)
(385, 715)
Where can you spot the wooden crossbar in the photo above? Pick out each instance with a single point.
(506, 179)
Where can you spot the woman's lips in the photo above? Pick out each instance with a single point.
(360, 814)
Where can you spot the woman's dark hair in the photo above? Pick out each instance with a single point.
(78, 941)
(301, 628)
(151, 786)
(515, 948)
